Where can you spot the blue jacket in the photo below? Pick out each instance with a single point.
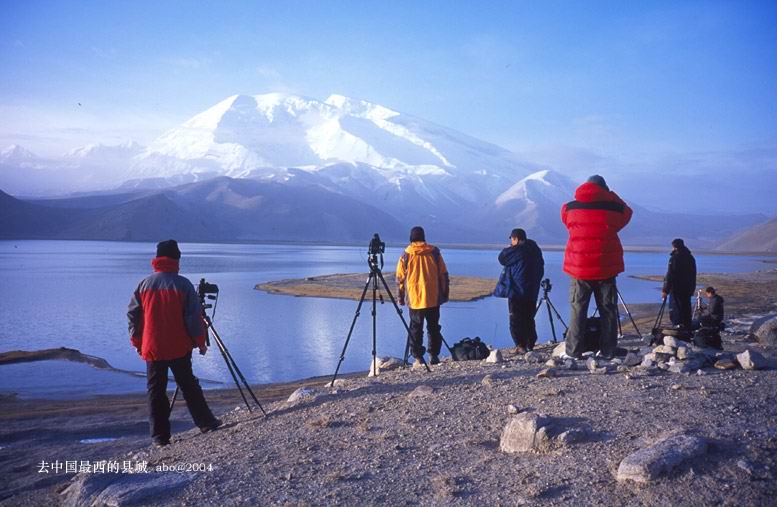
(523, 270)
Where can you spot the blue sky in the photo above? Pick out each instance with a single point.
(641, 85)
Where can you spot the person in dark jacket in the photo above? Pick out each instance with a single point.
(165, 324)
(712, 316)
(524, 268)
(593, 258)
(680, 284)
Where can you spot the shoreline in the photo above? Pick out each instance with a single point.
(553, 247)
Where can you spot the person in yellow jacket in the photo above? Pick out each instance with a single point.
(423, 283)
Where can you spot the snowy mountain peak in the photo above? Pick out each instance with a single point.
(127, 148)
(16, 153)
(541, 185)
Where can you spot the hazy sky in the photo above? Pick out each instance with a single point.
(640, 85)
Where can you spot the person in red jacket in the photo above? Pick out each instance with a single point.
(593, 258)
(165, 324)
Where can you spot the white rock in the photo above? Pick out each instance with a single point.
(512, 409)
(683, 353)
(421, 392)
(752, 360)
(495, 356)
(302, 394)
(671, 341)
(559, 350)
(533, 357)
(651, 462)
(523, 433)
(632, 359)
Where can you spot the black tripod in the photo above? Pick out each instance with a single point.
(620, 329)
(375, 262)
(207, 290)
(546, 288)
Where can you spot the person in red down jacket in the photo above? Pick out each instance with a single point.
(593, 258)
(165, 325)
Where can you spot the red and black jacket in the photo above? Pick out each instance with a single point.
(165, 314)
(594, 251)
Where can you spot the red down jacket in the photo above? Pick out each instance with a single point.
(594, 251)
(165, 315)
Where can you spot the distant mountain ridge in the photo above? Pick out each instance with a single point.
(263, 165)
(759, 238)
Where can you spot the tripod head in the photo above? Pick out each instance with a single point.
(375, 253)
(546, 287)
(208, 291)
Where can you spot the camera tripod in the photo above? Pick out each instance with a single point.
(375, 262)
(546, 288)
(206, 290)
(633, 323)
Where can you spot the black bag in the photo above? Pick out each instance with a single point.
(592, 334)
(708, 337)
(469, 349)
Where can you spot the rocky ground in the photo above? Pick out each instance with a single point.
(524, 430)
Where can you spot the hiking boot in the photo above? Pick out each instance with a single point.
(434, 359)
(161, 442)
(216, 424)
(520, 350)
(564, 357)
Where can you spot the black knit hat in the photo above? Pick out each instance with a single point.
(678, 243)
(598, 180)
(417, 234)
(518, 233)
(168, 248)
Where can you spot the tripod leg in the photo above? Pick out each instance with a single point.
(175, 395)
(221, 348)
(402, 318)
(374, 325)
(618, 319)
(558, 315)
(633, 323)
(229, 357)
(552, 327)
(350, 331)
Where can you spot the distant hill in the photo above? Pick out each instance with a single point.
(219, 209)
(759, 238)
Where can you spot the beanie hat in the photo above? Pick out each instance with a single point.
(678, 243)
(417, 234)
(598, 180)
(168, 248)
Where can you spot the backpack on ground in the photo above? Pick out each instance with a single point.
(708, 337)
(469, 349)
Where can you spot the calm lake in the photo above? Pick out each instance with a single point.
(75, 293)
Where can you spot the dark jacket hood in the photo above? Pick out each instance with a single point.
(514, 254)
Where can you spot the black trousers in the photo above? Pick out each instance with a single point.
(522, 327)
(606, 294)
(159, 404)
(432, 317)
(680, 311)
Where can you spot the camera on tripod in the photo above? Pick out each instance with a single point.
(376, 249)
(205, 291)
(546, 286)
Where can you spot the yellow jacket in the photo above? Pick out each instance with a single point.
(422, 276)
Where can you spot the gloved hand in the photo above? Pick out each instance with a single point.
(203, 350)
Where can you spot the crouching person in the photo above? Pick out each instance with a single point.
(165, 325)
(423, 283)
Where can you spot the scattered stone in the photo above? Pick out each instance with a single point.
(418, 365)
(675, 343)
(524, 432)
(512, 409)
(663, 357)
(649, 463)
(569, 364)
(302, 394)
(495, 356)
(663, 366)
(765, 330)
(559, 350)
(632, 359)
(726, 363)
(547, 373)
(487, 380)
(647, 361)
(384, 364)
(123, 489)
(683, 353)
(752, 360)
(591, 364)
(622, 369)
(676, 387)
(553, 362)
(746, 466)
(572, 436)
(700, 372)
(533, 357)
(339, 382)
(680, 368)
(664, 349)
(421, 392)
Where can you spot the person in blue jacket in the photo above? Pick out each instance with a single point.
(523, 270)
